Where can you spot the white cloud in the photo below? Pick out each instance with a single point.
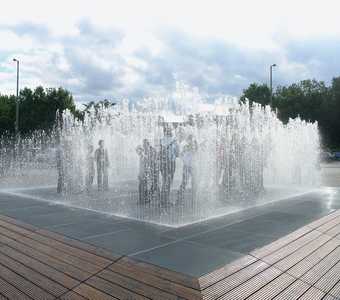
(134, 48)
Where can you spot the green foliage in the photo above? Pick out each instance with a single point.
(38, 109)
(96, 106)
(312, 100)
(256, 93)
(7, 113)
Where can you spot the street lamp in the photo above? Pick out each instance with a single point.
(17, 102)
(271, 84)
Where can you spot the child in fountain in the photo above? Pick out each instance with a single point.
(102, 161)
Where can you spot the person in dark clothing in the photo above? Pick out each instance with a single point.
(102, 161)
(89, 167)
(148, 172)
(188, 156)
(60, 168)
(168, 154)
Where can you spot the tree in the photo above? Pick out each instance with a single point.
(302, 99)
(259, 93)
(312, 100)
(7, 114)
(331, 115)
(38, 109)
(97, 106)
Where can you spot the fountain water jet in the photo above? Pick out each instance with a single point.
(244, 156)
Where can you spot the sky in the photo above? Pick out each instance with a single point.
(134, 49)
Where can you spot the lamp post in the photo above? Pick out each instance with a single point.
(17, 102)
(271, 84)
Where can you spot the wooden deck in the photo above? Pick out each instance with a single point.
(38, 264)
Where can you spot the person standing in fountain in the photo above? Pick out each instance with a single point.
(168, 154)
(102, 160)
(222, 176)
(148, 172)
(188, 153)
(60, 168)
(89, 167)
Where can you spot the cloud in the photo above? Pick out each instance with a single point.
(319, 56)
(96, 62)
(29, 29)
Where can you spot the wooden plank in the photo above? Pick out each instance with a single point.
(85, 255)
(231, 282)
(292, 259)
(280, 243)
(165, 285)
(329, 225)
(294, 291)
(51, 251)
(273, 288)
(319, 222)
(313, 294)
(334, 232)
(320, 269)
(330, 279)
(72, 296)
(157, 271)
(314, 258)
(91, 293)
(17, 222)
(10, 292)
(227, 270)
(335, 291)
(290, 248)
(66, 240)
(113, 289)
(43, 282)
(24, 285)
(43, 258)
(81, 245)
(135, 286)
(251, 286)
(329, 297)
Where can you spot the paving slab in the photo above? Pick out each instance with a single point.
(188, 257)
(128, 242)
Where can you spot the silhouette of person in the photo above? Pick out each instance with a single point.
(187, 154)
(102, 161)
(89, 167)
(168, 154)
(148, 171)
(60, 168)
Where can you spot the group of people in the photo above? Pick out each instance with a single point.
(163, 162)
(98, 159)
(239, 167)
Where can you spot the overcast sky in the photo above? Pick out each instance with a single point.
(131, 49)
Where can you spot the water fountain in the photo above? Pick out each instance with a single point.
(232, 156)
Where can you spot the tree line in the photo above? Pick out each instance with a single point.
(311, 100)
(38, 109)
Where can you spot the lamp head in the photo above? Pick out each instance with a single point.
(14, 59)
